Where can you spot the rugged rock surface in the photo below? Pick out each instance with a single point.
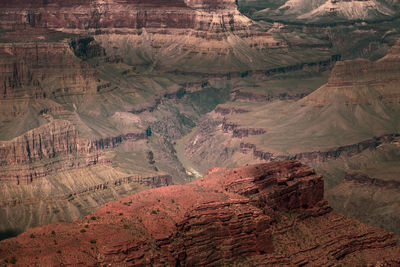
(103, 14)
(325, 11)
(351, 10)
(372, 198)
(346, 125)
(322, 156)
(262, 214)
(47, 144)
(240, 132)
(366, 180)
(81, 81)
(362, 81)
(166, 19)
(42, 69)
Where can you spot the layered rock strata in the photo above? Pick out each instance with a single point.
(55, 147)
(208, 19)
(42, 69)
(150, 182)
(257, 215)
(240, 132)
(367, 180)
(322, 156)
(361, 82)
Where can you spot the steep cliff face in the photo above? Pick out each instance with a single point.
(39, 152)
(194, 14)
(14, 74)
(150, 32)
(104, 14)
(41, 69)
(48, 141)
(262, 214)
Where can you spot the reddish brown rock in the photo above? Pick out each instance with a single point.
(47, 145)
(257, 215)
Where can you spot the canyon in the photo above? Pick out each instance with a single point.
(100, 100)
(339, 128)
(262, 214)
(89, 89)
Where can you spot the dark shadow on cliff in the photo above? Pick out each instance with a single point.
(8, 234)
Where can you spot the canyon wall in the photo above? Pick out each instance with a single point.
(367, 180)
(361, 82)
(257, 215)
(322, 156)
(42, 69)
(44, 150)
(84, 15)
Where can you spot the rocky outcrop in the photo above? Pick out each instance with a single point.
(238, 95)
(47, 141)
(329, 11)
(322, 156)
(361, 82)
(54, 139)
(13, 75)
(258, 215)
(111, 14)
(240, 132)
(29, 69)
(54, 147)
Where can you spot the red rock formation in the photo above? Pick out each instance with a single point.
(258, 215)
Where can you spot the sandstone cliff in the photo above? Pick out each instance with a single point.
(257, 215)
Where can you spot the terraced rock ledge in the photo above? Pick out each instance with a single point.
(272, 213)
